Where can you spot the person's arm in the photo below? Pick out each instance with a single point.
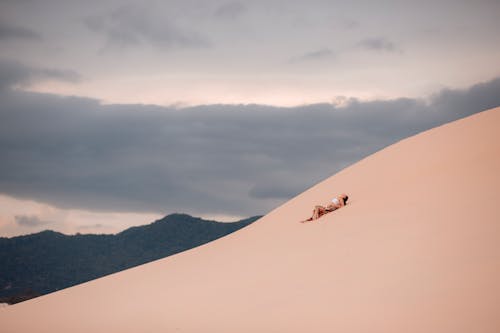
(331, 207)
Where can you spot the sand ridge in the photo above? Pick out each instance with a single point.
(416, 250)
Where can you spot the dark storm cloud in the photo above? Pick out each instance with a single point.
(210, 159)
(29, 221)
(135, 24)
(12, 73)
(10, 32)
(230, 10)
(379, 44)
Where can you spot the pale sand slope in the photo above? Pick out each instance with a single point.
(417, 250)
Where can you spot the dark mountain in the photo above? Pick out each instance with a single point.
(47, 261)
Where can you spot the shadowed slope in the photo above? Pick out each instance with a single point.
(416, 250)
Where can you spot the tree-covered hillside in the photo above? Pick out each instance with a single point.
(47, 261)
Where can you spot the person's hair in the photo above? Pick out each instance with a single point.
(345, 199)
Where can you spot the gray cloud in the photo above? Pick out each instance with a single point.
(315, 55)
(30, 221)
(13, 72)
(92, 226)
(11, 32)
(135, 24)
(64, 75)
(230, 10)
(379, 44)
(209, 159)
(271, 191)
(349, 24)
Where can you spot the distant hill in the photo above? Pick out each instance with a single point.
(41, 263)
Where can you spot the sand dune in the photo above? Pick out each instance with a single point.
(416, 250)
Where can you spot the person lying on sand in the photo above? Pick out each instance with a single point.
(337, 202)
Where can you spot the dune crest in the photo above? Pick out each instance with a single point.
(417, 249)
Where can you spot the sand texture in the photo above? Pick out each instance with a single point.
(416, 250)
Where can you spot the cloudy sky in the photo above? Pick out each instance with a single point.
(115, 113)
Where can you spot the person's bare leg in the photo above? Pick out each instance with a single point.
(318, 211)
(311, 218)
(315, 213)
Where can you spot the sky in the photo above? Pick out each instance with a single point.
(116, 113)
